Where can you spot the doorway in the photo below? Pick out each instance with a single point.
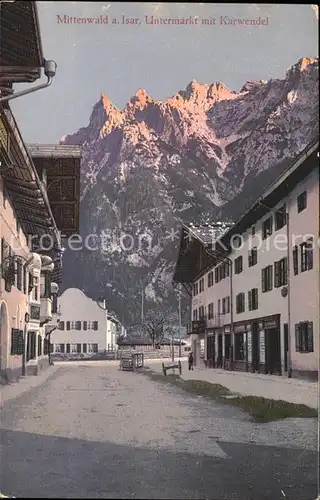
(211, 352)
(220, 350)
(285, 345)
(273, 353)
(255, 347)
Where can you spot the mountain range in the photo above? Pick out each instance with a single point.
(202, 155)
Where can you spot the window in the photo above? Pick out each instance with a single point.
(266, 279)
(201, 312)
(210, 311)
(84, 348)
(210, 279)
(68, 325)
(25, 274)
(31, 283)
(16, 342)
(61, 325)
(253, 299)
(253, 257)
(306, 255)
(253, 231)
(19, 274)
(85, 325)
(78, 325)
(302, 201)
(280, 217)
(95, 325)
(68, 349)
(73, 348)
(39, 345)
(195, 289)
(216, 277)
(281, 272)
(71, 325)
(35, 291)
(295, 260)
(219, 306)
(201, 285)
(304, 336)
(240, 303)
(195, 314)
(238, 265)
(267, 228)
(225, 305)
(59, 348)
(79, 348)
(92, 348)
(239, 347)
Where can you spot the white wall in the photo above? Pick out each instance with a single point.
(74, 305)
(305, 286)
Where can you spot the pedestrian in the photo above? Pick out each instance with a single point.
(190, 361)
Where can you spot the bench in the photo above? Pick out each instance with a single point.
(172, 366)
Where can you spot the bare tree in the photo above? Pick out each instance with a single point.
(154, 326)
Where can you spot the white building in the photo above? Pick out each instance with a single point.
(85, 327)
(255, 303)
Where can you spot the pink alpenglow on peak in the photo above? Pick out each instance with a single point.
(141, 98)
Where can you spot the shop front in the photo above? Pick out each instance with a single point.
(257, 345)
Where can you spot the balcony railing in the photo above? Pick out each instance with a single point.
(216, 321)
(200, 326)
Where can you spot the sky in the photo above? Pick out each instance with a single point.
(119, 59)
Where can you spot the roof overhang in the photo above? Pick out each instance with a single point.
(21, 55)
(59, 167)
(191, 240)
(25, 189)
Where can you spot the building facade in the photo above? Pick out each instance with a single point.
(84, 326)
(255, 297)
(31, 241)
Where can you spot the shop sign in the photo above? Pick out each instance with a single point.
(262, 347)
(249, 346)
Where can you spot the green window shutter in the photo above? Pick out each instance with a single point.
(297, 334)
(310, 336)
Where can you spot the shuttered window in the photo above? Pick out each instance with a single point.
(16, 342)
(304, 336)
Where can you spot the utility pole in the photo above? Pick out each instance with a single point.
(142, 305)
(179, 298)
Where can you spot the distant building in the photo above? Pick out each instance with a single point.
(255, 287)
(84, 327)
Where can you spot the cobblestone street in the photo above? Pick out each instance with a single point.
(91, 431)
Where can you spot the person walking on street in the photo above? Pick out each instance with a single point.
(190, 361)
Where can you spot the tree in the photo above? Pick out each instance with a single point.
(154, 326)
